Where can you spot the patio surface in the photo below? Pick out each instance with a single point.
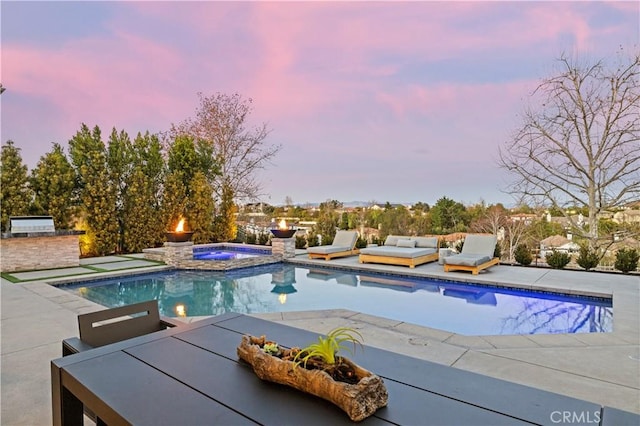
(602, 367)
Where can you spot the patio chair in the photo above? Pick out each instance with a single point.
(344, 244)
(476, 255)
(113, 325)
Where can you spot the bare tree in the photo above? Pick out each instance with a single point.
(580, 146)
(220, 124)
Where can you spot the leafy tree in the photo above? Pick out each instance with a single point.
(53, 183)
(491, 221)
(15, 194)
(97, 194)
(395, 221)
(421, 223)
(142, 223)
(344, 220)
(200, 209)
(174, 199)
(119, 163)
(542, 229)
(147, 157)
(327, 220)
(578, 147)
(220, 127)
(225, 220)
(421, 207)
(190, 157)
(140, 217)
(448, 216)
(188, 191)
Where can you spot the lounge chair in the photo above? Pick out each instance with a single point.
(344, 244)
(476, 255)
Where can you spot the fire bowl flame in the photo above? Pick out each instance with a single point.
(283, 233)
(178, 237)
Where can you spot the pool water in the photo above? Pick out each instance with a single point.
(456, 307)
(227, 253)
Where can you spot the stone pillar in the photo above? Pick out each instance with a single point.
(175, 252)
(285, 247)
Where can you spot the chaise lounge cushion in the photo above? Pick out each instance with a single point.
(328, 249)
(343, 244)
(467, 260)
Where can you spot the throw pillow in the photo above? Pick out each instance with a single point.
(406, 243)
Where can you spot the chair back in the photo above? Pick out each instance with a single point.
(477, 244)
(113, 325)
(345, 239)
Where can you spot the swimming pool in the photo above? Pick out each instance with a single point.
(456, 307)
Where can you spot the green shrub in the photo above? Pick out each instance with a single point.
(588, 258)
(522, 254)
(301, 241)
(312, 240)
(558, 259)
(627, 260)
(376, 240)
(361, 242)
(263, 238)
(251, 238)
(241, 235)
(497, 252)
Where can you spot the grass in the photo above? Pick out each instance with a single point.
(91, 269)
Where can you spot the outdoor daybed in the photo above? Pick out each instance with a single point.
(400, 250)
(476, 255)
(344, 244)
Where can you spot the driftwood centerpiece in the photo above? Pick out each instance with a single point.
(359, 399)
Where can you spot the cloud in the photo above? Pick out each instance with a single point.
(429, 88)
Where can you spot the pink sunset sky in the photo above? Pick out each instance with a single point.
(371, 101)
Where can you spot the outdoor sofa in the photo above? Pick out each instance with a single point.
(476, 254)
(402, 250)
(344, 244)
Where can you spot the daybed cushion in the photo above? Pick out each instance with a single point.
(406, 243)
(405, 252)
(426, 242)
(392, 240)
(327, 249)
(466, 260)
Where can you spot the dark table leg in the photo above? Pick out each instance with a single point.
(66, 408)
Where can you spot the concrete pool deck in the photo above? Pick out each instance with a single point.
(602, 367)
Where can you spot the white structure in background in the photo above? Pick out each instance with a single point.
(558, 243)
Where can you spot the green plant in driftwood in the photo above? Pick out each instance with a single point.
(326, 348)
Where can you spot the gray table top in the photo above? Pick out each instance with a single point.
(191, 375)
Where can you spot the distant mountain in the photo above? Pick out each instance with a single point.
(350, 204)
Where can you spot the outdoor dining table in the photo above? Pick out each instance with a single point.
(191, 375)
